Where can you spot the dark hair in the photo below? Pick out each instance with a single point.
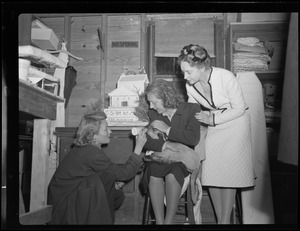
(195, 55)
(88, 127)
(165, 91)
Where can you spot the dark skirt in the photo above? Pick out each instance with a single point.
(160, 170)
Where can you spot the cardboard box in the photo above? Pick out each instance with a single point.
(45, 39)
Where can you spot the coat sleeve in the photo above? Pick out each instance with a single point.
(122, 172)
(237, 102)
(153, 144)
(190, 133)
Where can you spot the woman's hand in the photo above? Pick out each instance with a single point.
(160, 125)
(205, 117)
(119, 185)
(141, 139)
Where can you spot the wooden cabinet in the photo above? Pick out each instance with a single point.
(46, 110)
(40, 106)
(271, 35)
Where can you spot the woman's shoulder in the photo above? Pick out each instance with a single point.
(221, 70)
(89, 150)
(188, 106)
(153, 114)
(222, 74)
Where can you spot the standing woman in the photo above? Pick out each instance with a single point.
(176, 118)
(228, 164)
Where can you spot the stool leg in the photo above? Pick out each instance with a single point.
(237, 211)
(190, 206)
(145, 220)
(239, 206)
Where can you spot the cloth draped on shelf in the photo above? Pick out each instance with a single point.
(257, 203)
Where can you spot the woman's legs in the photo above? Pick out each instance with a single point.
(223, 201)
(157, 192)
(173, 190)
(228, 198)
(216, 197)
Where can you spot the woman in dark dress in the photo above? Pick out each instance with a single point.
(170, 114)
(83, 190)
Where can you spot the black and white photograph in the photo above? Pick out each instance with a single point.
(131, 115)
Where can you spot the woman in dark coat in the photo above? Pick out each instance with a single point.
(82, 190)
(170, 114)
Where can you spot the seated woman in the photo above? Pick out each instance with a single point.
(176, 118)
(82, 190)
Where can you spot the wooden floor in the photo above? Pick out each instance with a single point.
(206, 211)
(284, 179)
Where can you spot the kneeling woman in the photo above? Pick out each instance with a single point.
(82, 190)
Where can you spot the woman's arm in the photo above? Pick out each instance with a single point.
(188, 132)
(154, 144)
(236, 100)
(122, 172)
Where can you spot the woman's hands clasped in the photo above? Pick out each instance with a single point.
(205, 117)
(160, 125)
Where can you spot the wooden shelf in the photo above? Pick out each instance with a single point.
(37, 101)
(270, 75)
(270, 34)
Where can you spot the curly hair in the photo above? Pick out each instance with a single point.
(88, 127)
(165, 91)
(195, 55)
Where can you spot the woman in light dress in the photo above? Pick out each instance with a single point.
(228, 164)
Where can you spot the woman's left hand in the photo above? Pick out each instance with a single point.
(160, 125)
(119, 185)
(205, 117)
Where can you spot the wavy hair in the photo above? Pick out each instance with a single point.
(88, 127)
(165, 91)
(195, 55)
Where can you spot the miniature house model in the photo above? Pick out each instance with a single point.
(136, 83)
(125, 97)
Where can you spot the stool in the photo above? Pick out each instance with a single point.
(184, 209)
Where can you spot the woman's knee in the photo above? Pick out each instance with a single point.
(172, 180)
(157, 180)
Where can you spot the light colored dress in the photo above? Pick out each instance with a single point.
(228, 161)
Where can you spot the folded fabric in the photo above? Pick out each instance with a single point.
(255, 49)
(249, 55)
(248, 41)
